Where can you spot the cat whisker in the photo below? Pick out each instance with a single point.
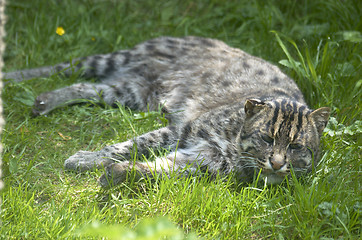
(300, 170)
(246, 153)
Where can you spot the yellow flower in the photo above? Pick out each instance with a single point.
(60, 31)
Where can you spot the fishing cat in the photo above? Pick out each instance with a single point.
(229, 112)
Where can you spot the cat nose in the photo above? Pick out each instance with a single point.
(277, 161)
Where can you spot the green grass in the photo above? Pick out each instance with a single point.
(317, 42)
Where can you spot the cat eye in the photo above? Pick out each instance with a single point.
(295, 146)
(267, 138)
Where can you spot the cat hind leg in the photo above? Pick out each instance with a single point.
(109, 94)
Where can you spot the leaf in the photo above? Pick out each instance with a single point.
(345, 69)
(286, 63)
(66, 138)
(325, 208)
(27, 98)
(351, 36)
(334, 128)
(13, 165)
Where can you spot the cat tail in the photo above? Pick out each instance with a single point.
(96, 66)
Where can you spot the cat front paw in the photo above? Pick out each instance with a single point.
(115, 174)
(42, 104)
(85, 161)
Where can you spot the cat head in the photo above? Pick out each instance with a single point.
(281, 135)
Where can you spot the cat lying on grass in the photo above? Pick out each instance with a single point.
(231, 112)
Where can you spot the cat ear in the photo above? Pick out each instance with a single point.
(253, 106)
(320, 116)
